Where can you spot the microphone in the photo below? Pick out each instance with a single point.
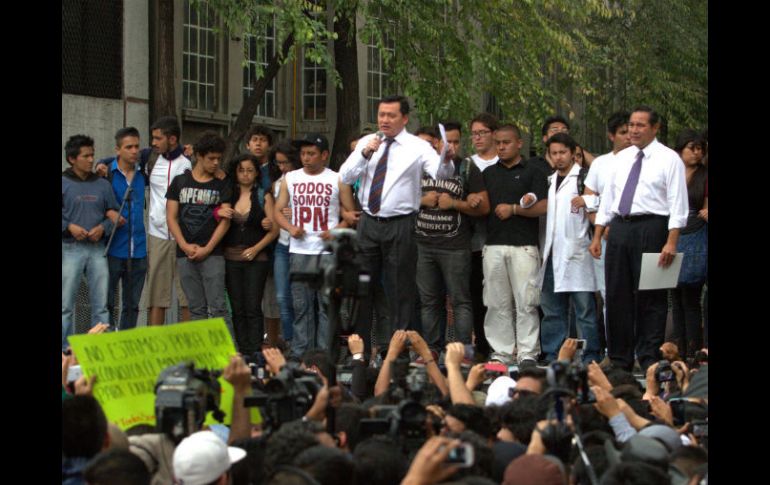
(379, 135)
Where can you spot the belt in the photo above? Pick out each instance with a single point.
(388, 219)
(639, 217)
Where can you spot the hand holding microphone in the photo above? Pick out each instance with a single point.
(373, 145)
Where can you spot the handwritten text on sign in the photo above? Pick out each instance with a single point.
(127, 364)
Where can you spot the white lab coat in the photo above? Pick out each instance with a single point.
(568, 233)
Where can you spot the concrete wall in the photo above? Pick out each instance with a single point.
(100, 118)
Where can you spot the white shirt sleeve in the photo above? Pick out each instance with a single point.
(432, 165)
(678, 204)
(592, 202)
(603, 215)
(355, 165)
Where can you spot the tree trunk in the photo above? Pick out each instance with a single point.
(164, 99)
(250, 105)
(348, 106)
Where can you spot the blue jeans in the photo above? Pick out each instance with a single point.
(77, 257)
(442, 272)
(554, 327)
(311, 324)
(283, 290)
(119, 271)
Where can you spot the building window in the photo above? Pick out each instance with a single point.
(262, 56)
(379, 82)
(199, 54)
(313, 90)
(92, 48)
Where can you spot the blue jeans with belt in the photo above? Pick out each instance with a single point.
(77, 257)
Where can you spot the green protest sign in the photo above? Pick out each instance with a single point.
(127, 364)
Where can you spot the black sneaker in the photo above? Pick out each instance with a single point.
(527, 363)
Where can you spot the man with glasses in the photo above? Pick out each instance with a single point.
(482, 128)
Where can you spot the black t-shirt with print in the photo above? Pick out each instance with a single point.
(196, 208)
(448, 229)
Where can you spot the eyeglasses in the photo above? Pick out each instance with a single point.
(480, 133)
(513, 392)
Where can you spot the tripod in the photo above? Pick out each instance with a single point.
(127, 197)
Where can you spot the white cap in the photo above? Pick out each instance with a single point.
(203, 457)
(497, 394)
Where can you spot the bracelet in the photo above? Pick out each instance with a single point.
(514, 208)
(453, 204)
(429, 362)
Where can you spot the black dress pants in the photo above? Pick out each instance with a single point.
(390, 252)
(636, 320)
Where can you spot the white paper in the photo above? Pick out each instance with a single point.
(653, 277)
(444, 145)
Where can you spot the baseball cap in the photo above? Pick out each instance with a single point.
(316, 139)
(665, 434)
(645, 449)
(203, 457)
(497, 394)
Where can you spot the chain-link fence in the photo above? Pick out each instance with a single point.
(83, 309)
(92, 48)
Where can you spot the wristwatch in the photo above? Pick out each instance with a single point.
(358, 356)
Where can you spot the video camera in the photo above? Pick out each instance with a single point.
(572, 379)
(343, 274)
(183, 396)
(404, 417)
(567, 381)
(286, 397)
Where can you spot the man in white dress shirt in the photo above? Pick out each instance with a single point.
(390, 165)
(601, 172)
(645, 205)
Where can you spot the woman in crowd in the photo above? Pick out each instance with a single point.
(245, 249)
(693, 242)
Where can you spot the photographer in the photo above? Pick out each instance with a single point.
(665, 379)
(360, 387)
(398, 344)
(157, 449)
(458, 391)
(428, 466)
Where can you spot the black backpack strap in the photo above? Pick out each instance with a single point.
(581, 180)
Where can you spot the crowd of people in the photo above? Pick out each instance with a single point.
(533, 264)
